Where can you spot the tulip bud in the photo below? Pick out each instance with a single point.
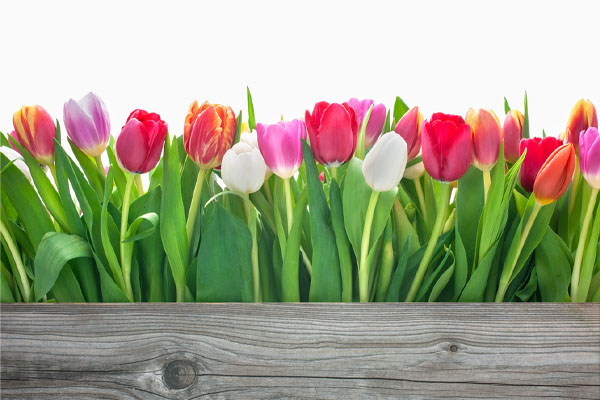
(583, 115)
(87, 124)
(250, 138)
(538, 150)
(409, 127)
(555, 175)
(414, 171)
(376, 120)
(589, 156)
(486, 137)
(208, 133)
(384, 165)
(332, 130)
(446, 141)
(141, 141)
(512, 131)
(35, 130)
(243, 169)
(281, 146)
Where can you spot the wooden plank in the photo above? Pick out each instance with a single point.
(185, 351)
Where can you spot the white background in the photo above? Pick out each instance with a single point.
(160, 56)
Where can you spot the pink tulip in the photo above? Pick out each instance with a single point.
(589, 156)
(512, 131)
(376, 120)
(281, 146)
(409, 127)
(486, 137)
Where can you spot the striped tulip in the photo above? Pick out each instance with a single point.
(486, 137)
(35, 130)
(87, 124)
(555, 175)
(589, 156)
(281, 146)
(512, 130)
(583, 115)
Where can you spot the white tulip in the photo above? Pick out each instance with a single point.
(414, 171)
(18, 160)
(384, 164)
(243, 168)
(249, 138)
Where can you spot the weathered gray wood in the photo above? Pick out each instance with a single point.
(300, 350)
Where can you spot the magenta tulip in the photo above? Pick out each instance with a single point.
(281, 146)
(589, 156)
(376, 119)
(87, 123)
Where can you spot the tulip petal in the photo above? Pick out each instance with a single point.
(95, 107)
(80, 126)
(335, 140)
(132, 146)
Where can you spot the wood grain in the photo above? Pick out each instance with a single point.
(335, 351)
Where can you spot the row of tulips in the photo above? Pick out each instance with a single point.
(353, 203)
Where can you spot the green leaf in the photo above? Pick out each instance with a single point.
(251, 119)
(400, 108)
(289, 275)
(506, 106)
(526, 119)
(238, 127)
(341, 240)
(6, 295)
(132, 233)
(589, 256)
(444, 278)
(109, 246)
(553, 265)
(393, 293)
(525, 292)
(90, 169)
(387, 124)
(469, 206)
(111, 292)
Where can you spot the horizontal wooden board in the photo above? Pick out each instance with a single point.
(335, 351)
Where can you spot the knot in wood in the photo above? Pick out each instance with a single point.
(454, 348)
(179, 374)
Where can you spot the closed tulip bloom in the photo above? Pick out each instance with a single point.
(486, 137)
(446, 141)
(141, 141)
(208, 132)
(409, 127)
(538, 150)
(35, 130)
(512, 130)
(281, 146)
(589, 156)
(583, 115)
(384, 165)
(376, 119)
(555, 175)
(87, 124)
(243, 169)
(332, 130)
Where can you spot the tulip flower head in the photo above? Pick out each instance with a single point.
(281, 146)
(35, 130)
(87, 124)
(512, 130)
(384, 165)
(332, 130)
(141, 141)
(243, 169)
(486, 137)
(538, 150)
(208, 132)
(589, 156)
(409, 127)
(446, 141)
(583, 115)
(555, 175)
(376, 120)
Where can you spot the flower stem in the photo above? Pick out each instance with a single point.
(581, 246)
(487, 181)
(360, 145)
(288, 203)
(99, 164)
(251, 217)
(574, 187)
(18, 261)
(435, 234)
(139, 185)
(419, 188)
(333, 171)
(126, 255)
(507, 273)
(363, 271)
(191, 221)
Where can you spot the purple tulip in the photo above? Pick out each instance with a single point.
(281, 146)
(376, 120)
(87, 124)
(589, 156)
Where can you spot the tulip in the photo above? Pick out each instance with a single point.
(243, 169)
(583, 115)
(589, 156)
(281, 146)
(87, 124)
(486, 137)
(446, 147)
(35, 130)
(332, 130)
(538, 150)
(375, 122)
(208, 133)
(555, 175)
(414, 172)
(384, 165)
(512, 131)
(409, 127)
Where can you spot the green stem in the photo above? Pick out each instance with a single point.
(191, 220)
(574, 187)
(268, 192)
(507, 273)
(363, 271)
(581, 245)
(18, 262)
(139, 185)
(53, 172)
(487, 181)
(99, 164)
(288, 204)
(435, 234)
(251, 218)
(360, 145)
(125, 260)
(333, 172)
(421, 197)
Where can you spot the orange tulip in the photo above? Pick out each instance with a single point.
(555, 175)
(583, 115)
(486, 137)
(35, 130)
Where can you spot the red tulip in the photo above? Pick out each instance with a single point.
(583, 115)
(332, 130)
(35, 130)
(555, 175)
(409, 127)
(446, 147)
(512, 131)
(538, 150)
(141, 141)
